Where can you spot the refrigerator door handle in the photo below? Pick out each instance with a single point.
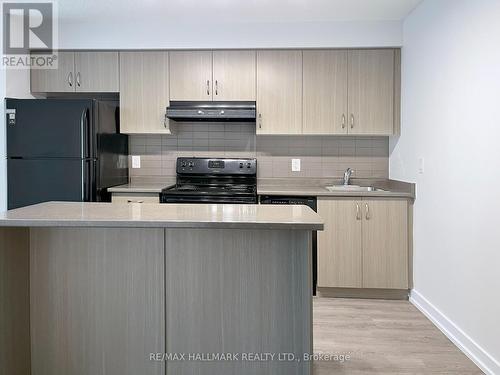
(85, 136)
(84, 181)
(87, 180)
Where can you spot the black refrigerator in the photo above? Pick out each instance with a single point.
(63, 150)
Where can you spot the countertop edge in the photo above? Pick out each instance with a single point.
(159, 224)
(340, 194)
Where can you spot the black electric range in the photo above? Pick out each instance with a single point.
(213, 180)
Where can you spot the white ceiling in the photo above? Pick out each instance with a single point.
(229, 11)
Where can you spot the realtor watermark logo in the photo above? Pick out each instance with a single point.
(29, 35)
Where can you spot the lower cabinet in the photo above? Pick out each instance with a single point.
(364, 243)
(135, 198)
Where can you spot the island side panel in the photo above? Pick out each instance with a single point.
(238, 291)
(14, 301)
(97, 301)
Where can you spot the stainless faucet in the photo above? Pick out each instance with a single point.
(347, 175)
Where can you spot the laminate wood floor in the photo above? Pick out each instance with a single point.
(382, 337)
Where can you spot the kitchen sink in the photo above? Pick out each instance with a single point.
(353, 188)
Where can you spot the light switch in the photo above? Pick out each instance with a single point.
(136, 161)
(421, 165)
(295, 165)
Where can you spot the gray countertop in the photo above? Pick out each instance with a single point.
(317, 188)
(236, 216)
(137, 187)
(297, 187)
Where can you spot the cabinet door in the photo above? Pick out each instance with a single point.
(138, 198)
(234, 75)
(371, 92)
(279, 92)
(61, 79)
(96, 72)
(325, 92)
(191, 75)
(97, 301)
(339, 244)
(144, 92)
(385, 244)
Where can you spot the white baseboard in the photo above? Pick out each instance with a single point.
(464, 342)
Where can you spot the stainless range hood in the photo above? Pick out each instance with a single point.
(211, 111)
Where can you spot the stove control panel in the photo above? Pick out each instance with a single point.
(219, 166)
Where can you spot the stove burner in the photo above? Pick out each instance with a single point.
(235, 183)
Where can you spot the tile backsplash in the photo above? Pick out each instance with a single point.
(321, 156)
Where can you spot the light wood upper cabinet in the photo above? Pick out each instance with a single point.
(364, 243)
(325, 92)
(371, 92)
(79, 72)
(234, 75)
(339, 244)
(385, 244)
(61, 79)
(191, 75)
(279, 92)
(96, 72)
(144, 92)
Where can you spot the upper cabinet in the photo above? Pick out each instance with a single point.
(79, 72)
(325, 92)
(234, 75)
(311, 92)
(191, 75)
(61, 79)
(144, 92)
(96, 72)
(279, 92)
(371, 92)
(351, 92)
(218, 75)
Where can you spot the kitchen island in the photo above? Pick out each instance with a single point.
(99, 288)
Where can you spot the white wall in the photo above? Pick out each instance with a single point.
(162, 32)
(451, 118)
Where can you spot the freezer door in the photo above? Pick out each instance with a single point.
(49, 128)
(42, 180)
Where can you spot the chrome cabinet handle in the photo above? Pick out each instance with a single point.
(260, 120)
(165, 120)
(367, 215)
(208, 87)
(131, 201)
(216, 88)
(78, 79)
(70, 79)
(352, 121)
(343, 121)
(358, 216)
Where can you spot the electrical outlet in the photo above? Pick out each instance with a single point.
(136, 161)
(421, 165)
(295, 165)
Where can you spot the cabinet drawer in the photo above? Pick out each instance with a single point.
(135, 198)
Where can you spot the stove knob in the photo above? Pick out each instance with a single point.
(183, 164)
(191, 164)
(241, 165)
(249, 165)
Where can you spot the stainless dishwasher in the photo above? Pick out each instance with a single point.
(307, 201)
